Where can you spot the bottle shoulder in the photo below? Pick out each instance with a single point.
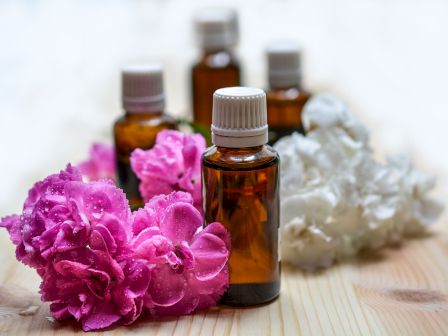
(240, 158)
(145, 119)
(217, 60)
(290, 94)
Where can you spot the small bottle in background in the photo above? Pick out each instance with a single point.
(143, 101)
(217, 34)
(286, 96)
(241, 191)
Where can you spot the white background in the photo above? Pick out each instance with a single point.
(60, 60)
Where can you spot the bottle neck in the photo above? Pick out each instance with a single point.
(206, 52)
(144, 114)
(285, 85)
(244, 149)
(255, 140)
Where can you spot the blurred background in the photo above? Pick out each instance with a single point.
(60, 62)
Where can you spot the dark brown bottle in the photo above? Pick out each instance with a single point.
(143, 101)
(217, 66)
(285, 97)
(241, 191)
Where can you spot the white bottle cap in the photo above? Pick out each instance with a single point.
(284, 65)
(142, 88)
(216, 28)
(239, 117)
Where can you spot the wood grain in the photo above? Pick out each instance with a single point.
(398, 291)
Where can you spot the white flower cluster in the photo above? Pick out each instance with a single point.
(336, 199)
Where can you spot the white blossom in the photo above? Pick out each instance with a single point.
(336, 199)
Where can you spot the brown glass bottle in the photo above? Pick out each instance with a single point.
(285, 107)
(217, 35)
(131, 131)
(216, 69)
(143, 100)
(285, 97)
(241, 191)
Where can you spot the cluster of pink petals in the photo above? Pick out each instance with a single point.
(104, 265)
(100, 164)
(173, 164)
(190, 268)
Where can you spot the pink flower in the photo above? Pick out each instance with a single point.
(62, 213)
(77, 235)
(189, 269)
(44, 208)
(94, 288)
(100, 164)
(102, 265)
(173, 164)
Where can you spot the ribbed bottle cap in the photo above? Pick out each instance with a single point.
(142, 88)
(239, 117)
(284, 64)
(216, 28)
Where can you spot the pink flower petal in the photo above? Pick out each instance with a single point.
(211, 255)
(83, 305)
(185, 254)
(166, 287)
(138, 277)
(102, 316)
(118, 230)
(142, 219)
(96, 199)
(12, 224)
(153, 187)
(59, 310)
(220, 231)
(212, 291)
(162, 162)
(102, 239)
(175, 138)
(180, 222)
(173, 164)
(145, 235)
(159, 203)
(156, 250)
(184, 307)
(198, 295)
(100, 164)
(69, 268)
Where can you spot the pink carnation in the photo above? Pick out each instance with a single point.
(62, 213)
(100, 164)
(103, 265)
(94, 288)
(189, 269)
(77, 235)
(173, 164)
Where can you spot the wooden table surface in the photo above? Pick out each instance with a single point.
(399, 291)
(59, 89)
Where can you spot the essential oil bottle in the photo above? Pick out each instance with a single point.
(143, 101)
(217, 34)
(241, 191)
(285, 97)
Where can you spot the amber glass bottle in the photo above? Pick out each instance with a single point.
(241, 191)
(217, 67)
(143, 102)
(285, 97)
